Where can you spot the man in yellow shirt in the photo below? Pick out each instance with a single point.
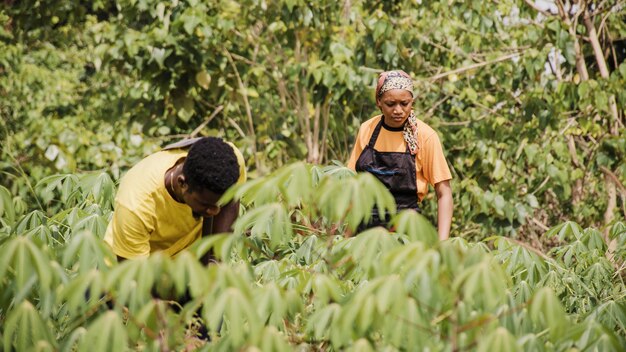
(170, 199)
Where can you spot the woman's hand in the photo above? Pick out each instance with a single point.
(444, 209)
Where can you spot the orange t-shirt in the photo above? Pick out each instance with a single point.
(430, 163)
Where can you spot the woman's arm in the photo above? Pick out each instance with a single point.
(444, 208)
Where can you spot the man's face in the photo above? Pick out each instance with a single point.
(203, 203)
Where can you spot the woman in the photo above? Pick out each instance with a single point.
(403, 152)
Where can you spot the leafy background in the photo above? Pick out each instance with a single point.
(528, 99)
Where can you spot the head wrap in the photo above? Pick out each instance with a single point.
(393, 80)
(399, 79)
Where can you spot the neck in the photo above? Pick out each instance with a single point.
(390, 128)
(171, 184)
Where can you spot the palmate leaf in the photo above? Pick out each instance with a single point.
(409, 327)
(597, 337)
(594, 239)
(499, 340)
(186, 271)
(82, 292)
(107, 333)
(366, 249)
(86, 251)
(611, 314)
(27, 265)
(222, 245)
(519, 261)
(268, 271)
(270, 339)
(336, 170)
(31, 220)
(567, 231)
(240, 318)
(94, 223)
(618, 230)
(360, 345)
(24, 329)
(598, 274)
(352, 199)
(42, 234)
(131, 281)
(322, 321)
(326, 289)
(415, 226)
(7, 211)
(62, 182)
(293, 184)
(297, 279)
(100, 186)
(547, 312)
(269, 221)
(70, 344)
(367, 308)
(419, 268)
(308, 251)
(483, 284)
(271, 306)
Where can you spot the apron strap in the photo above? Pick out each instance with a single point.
(374, 136)
(376, 132)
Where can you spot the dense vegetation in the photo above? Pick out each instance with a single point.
(528, 98)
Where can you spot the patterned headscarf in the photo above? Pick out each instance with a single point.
(399, 79)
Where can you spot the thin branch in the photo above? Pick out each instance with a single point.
(474, 66)
(532, 5)
(206, 122)
(236, 126)
(541, 185)
(613, 178)
(244, 95)
(528, 247)
(540, 224)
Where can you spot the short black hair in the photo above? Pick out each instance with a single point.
(211, 164)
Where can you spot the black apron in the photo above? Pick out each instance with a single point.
(396, 170)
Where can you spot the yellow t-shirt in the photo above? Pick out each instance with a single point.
(146, 218)
(430, 163)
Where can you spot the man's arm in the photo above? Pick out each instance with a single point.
(223, 221)
(219, 223)
(444, 208)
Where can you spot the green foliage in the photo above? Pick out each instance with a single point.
(91, 87)
(295, 274)
(97, 85)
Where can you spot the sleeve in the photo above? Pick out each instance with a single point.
(435, 165)
(357, 150)
(243, 174)
(128, 234)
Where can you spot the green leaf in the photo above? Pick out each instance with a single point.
(499, 170)
(547, 311)
(499, 340)
(415, 226)
(107, 333)
(483, 284)
(25, 329)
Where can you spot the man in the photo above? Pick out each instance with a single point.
(170, 199)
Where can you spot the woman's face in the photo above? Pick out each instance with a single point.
(396, 105)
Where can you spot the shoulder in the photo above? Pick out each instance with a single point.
(425, 130)
(140, 184)
(243, 174)
(367, 127)
(371, 123)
